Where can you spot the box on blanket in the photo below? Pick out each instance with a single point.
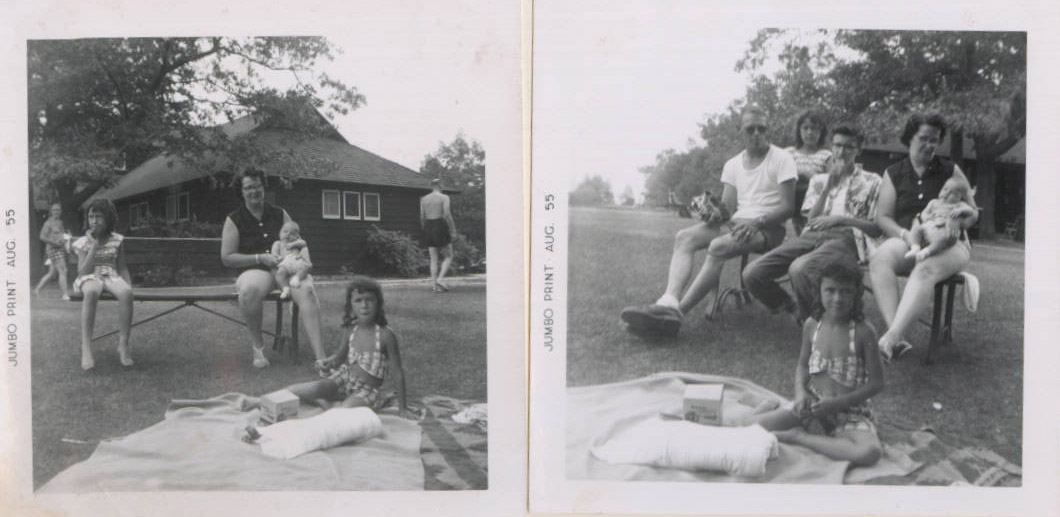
(703, 403)
(279, 406)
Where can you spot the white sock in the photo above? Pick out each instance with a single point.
(668, 300)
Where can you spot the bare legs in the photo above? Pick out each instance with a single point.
(53, 270)
(687, 242)
(890, 261)
(254, 285)
(861, 448)
(305, 296)
(92, 289)
(438, 272)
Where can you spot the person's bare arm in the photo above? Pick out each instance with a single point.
(230, 256)
(885, 208)
(123, 268)
(396, 368)
(448, 216)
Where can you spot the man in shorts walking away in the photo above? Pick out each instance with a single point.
(759, 191)
(438, 226)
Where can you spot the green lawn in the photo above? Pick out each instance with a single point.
(620, 257)
(192, 354)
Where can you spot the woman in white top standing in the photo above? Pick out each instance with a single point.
(811, 157)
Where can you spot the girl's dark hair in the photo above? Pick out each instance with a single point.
(815, 117)
(110, 215)
(363, 284)
(845, 272)
(912, 125)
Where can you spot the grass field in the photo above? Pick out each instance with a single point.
(620, 257)
(194, 355)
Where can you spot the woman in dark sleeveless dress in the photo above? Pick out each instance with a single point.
(908, 186)
(246, 241)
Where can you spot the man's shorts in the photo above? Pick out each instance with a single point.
(437, 233)
(763, 240)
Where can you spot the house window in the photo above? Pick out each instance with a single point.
(171, 208)
(371, 207)
(331, 203)
(351, 205)
(138, 214)
(178, 207)
(183, 206)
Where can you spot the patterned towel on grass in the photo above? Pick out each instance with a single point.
(454, 454)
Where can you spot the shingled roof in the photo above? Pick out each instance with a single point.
(355, 165)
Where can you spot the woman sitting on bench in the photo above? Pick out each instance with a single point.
(908, 186)
(246, 242)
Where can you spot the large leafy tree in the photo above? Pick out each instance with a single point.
(461, 164)
(977, 80)
(100, 107)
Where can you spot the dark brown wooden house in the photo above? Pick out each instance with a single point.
(334, 208)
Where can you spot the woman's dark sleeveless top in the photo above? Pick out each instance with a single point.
(257, 236)
(913, 192)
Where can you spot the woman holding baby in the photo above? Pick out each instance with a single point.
(246, 242)
(908, 186)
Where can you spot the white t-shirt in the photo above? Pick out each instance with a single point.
(758, 189)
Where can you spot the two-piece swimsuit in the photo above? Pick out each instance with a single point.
(848, 370)
(104, 260)
(363, 372)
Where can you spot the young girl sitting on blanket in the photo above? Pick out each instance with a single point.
(101, 267)
(292, 256)
(839, 369)
(354, 374)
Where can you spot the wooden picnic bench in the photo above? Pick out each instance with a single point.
(193, 296)
(941, 323)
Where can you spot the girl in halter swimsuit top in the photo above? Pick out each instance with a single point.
(354, 374)
(839, 370)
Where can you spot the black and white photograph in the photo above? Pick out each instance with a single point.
(257, 257)
(789, 257)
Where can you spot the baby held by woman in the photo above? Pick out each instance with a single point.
(938, 226)
(292, 255)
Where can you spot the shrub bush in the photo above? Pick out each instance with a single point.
(161, 275)
(158, 227)
(391, 252)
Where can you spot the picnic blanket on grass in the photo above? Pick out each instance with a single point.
(197, 447)
(596, 415)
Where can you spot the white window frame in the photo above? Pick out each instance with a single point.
(360, 205)
(324, 205)
(378, 203)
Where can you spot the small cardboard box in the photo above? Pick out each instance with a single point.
(703, 403)
(279, 406)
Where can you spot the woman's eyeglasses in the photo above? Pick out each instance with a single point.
(844, 147)
(750, 130)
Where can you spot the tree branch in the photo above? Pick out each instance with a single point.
(168, 66)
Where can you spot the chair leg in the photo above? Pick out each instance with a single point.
(294, 333)
(277, 338)
(936, 321)
(951, 292)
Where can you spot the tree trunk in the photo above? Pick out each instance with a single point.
(986, 187)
